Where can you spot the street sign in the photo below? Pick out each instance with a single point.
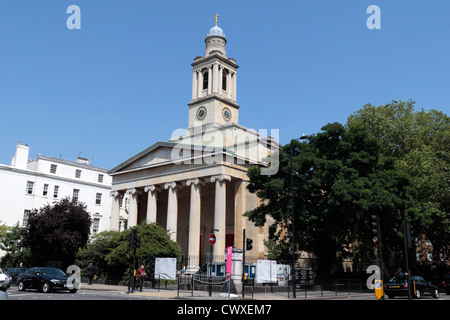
(378, 289)
(212, 238)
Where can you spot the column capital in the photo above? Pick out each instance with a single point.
(133, 191)
(116, 194)
(152, 188)
(171, 185)
(195, 181)
(221, 177)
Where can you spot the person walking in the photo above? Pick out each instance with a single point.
(141, 274)
(90, 273)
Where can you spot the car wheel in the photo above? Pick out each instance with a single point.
(418, 294)
(21, 286)
(73, 290)
(436, 293)
(46, 287)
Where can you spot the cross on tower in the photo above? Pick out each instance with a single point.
(215, 17)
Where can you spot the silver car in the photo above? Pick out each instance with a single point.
(5, 281)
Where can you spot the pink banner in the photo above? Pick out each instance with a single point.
(229, 259)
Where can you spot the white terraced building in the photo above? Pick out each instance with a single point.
(30, 184)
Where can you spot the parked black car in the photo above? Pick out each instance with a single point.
(45, 279)
(14, 273)
(417, 286)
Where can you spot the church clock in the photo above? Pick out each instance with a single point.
(201, 113)
(226, 113)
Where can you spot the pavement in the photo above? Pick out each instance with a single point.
(172, 294)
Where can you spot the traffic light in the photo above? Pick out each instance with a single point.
(134, 241)
(137, 241)
(131, 239)
(375, 225)
(408, 235)
(249, 244)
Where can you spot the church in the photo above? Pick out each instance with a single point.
(195, 183)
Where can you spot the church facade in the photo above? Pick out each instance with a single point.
(195, 183)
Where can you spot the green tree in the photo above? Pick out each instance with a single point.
(340, 179)
(420, 143)
(112, 257)
(10, 242)
(56, 232)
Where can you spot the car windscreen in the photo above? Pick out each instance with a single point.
(52, 272)
(397, 280)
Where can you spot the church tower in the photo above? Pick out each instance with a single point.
(214, 84)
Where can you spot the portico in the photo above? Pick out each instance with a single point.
(188, 203)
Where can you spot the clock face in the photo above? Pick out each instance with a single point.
(201, 113)
(226, 113)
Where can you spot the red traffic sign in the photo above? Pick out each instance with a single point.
(212, 238)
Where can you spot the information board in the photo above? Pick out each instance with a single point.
(166, 268)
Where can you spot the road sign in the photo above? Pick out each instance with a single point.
(378, 289)
(212, 238)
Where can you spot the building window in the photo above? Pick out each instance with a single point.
(45, 192)
(53, 168)
(98, 198)
(26, 215)
(55, 191)
(224, 79)
(95, 225)
(205, 80)
(77, 173)
(30, 185)
(100, 178)
(76, 193)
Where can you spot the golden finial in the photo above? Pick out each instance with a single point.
(215, 17)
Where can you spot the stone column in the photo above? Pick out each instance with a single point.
(133, 210)
(200, 84)
(234, 86)
(229, 85)
(194, 85)
(209, 80)
(115, 210)
(172, 209)
(151, 203)
(220, 212)
(194, 218)
(220, 79)
(239, 210)
(215, 75)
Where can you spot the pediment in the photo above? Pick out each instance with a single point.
(158, 153)
(162, 154)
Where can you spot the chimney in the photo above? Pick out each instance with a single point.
(20, 159)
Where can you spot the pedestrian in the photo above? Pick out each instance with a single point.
(141, 274)
(90, 273)
(400, 275)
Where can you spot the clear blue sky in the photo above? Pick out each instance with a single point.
(123, 81)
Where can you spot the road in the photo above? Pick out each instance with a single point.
(14, 294)
(85, 294)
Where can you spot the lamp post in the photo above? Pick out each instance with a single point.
(304, 137)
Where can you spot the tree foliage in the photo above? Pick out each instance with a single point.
(420, 143)
(10, 242)
(340, 178)
(112, 257)
(56, 232)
